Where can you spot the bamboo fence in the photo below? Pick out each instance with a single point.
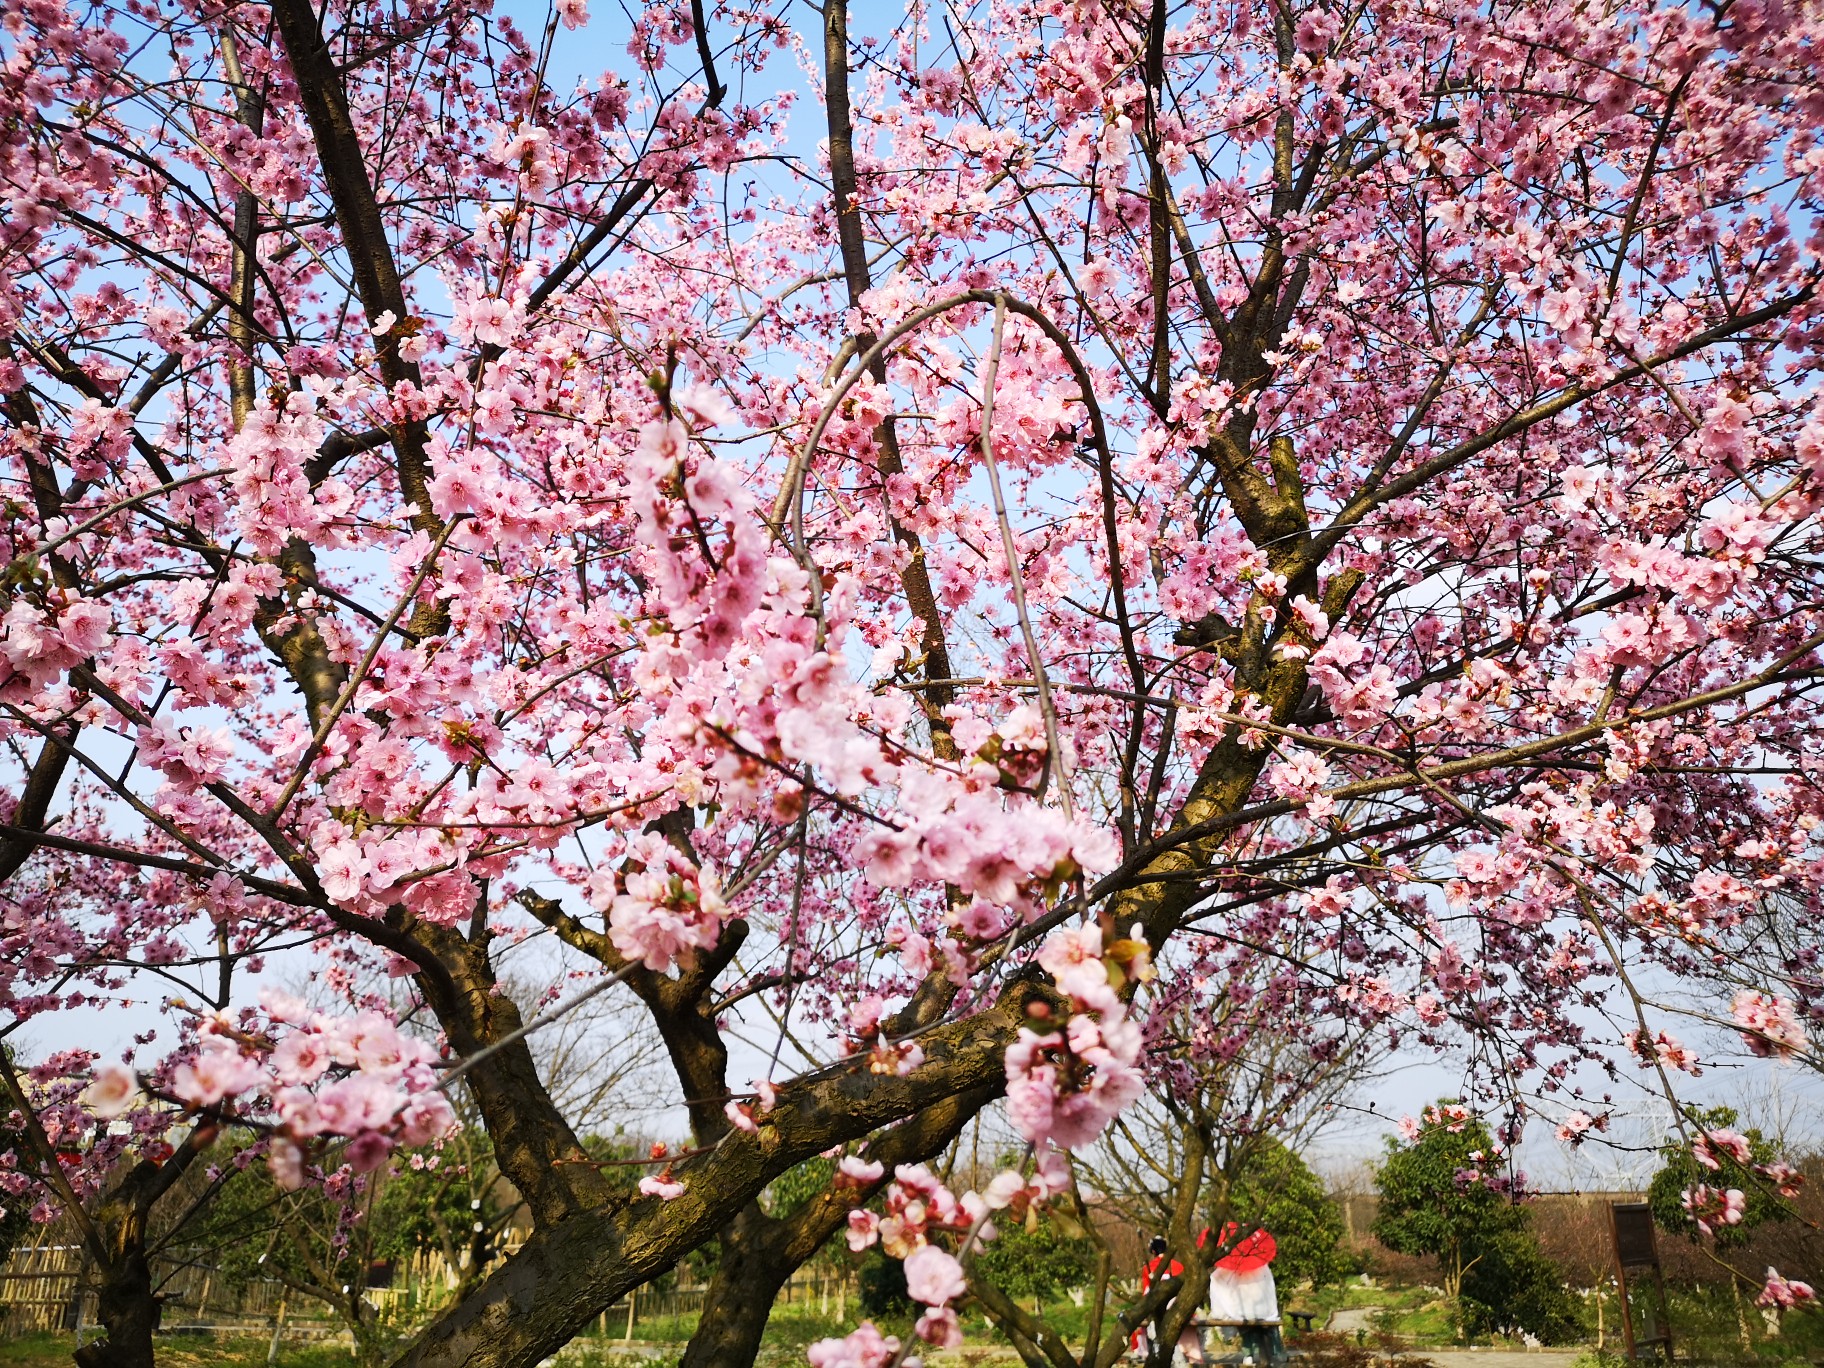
(49, 1288)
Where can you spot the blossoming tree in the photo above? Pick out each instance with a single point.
(1098, 476)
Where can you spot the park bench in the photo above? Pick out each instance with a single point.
(1259, 1339)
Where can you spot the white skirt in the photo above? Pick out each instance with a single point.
(1244, 1296)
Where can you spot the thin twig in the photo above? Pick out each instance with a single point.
(359, 677)
(558, 1012)
(1016, 576)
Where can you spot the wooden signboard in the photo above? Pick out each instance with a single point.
(1637, 1259)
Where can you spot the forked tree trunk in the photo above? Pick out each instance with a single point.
(760, 1252)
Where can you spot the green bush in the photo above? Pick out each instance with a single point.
(880, 1286)
(1680, 1170)
(1041, 1262)
(1515, 1285)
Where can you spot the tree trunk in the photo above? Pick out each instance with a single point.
(569, 1270)
(760, 1253)
(129, 1313)
(739, 1299)
(128, 1308)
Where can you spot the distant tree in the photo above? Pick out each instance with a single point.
(1039, 1261)
(1681, 1172)
(1277, 1191)
(1424, 1209)
(1514, 1285)
(1436, 1200)
(332, 1241)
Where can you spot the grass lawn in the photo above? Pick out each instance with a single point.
(179, 1351)
(1710, 1327)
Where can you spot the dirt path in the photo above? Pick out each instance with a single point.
(1502, 1358)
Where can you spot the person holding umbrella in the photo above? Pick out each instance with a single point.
(1243, 1295)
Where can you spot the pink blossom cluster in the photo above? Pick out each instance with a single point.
(1784, 1293)
(918, 1207)
(37, 647)
(867, 1036)
(1360, 693)
(1664, 1048)
(1786, 1180)
(741, 1115)
(1016, 747)
(1064, 1087)
(1578, 1124)
(1452, 1116)
(1003, 850)
(274, 497)
(1710, 1146)
(667, 907)
(862, 1347)
(366, 872)
(307, 1078)
(1712, 1207)
(662, 1184)
(1770, 1028)
(675, 494)
(917, 1204)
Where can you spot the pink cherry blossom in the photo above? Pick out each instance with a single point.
(668, 910)
(1573, 1127)
(1709, 1144)
(939, 1327)
(301, 1057)
(218, 1070)
(426, 1117)
(934, 1277)
(368, 1151)
(287, 1162)
(1711, 1207)
(864, 1230)
(662, 1187)
(740, 1115)
(854, 1169)
(1784, 1292)
(862, 1347)
(1786, 1179)
(1064, 1089)
(1073, 957)
(112, 1090)
(1769, 1024)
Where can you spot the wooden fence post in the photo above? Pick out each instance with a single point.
(278, 1329)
